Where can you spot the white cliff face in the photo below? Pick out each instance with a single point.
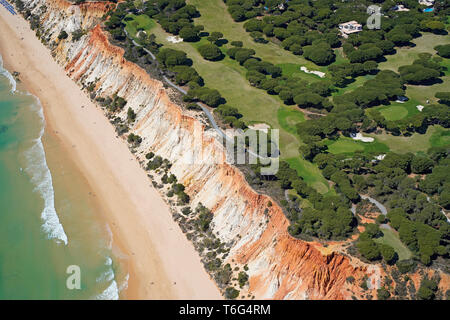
(279, 266)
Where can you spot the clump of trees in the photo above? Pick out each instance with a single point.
(320, 53)
(134, 139)
(116, 104)
(210, 52)
(421, 71)
(443, 50)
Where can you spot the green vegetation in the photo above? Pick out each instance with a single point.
(289, 117)
(397, 111)
(440, 137)
(417, 142)
(349, 146)
(240, 68)
(391, 239)
(135, 23)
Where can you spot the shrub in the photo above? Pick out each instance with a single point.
(63, 35)
(443, 50)
(231, 293)
(210, 52)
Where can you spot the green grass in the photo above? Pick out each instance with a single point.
(293, 70)
(391, 238)
(424, 93)
(215, 17)
(141, 22)
(440, 138)
(397, 111)
(345, 145)
(415, 143)
(394, 112)
(359, 81)
(289, 117)
(406, 55)
(310, 173)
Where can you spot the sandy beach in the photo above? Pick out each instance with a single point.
(163, 264)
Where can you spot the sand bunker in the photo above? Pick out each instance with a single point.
(420, 107)
(174, 39)
(317, 73)
(360, 137)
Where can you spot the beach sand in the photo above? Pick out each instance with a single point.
(163, 264)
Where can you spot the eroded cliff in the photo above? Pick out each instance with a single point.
(279, 266)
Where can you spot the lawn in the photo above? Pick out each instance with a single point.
(345, 145)
(415, 143)
(406, 55)
(440, 138)
(397, 111)
(358, 81)
(310, 174)
(289, 117)
(293, 70)
(135, 23)
(215, 17)
(391, 238)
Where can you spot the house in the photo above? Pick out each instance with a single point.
(349, 28)
(400, 7)
(427, 3)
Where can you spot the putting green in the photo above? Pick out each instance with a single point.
(394, 112)
(345, 145)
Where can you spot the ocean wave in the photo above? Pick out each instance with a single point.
(38, 169)
(8, 75)
(106, 276)
(110, 293)
(41, 177)
(113, 290)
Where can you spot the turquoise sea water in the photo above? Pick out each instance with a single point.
(49, 219)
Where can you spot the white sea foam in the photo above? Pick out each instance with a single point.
(108, 261)
(113, 290)
(110, 293)
(40, 173)
(41, 176)
(8, 75)
(106, 276)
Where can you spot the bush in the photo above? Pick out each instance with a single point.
(231, 293)
(63, 35)
(131, 115)
(444, 97)
(210, 52)
(368, 249)
(388, 253)
(427, 289)
(242, 279)
(134, 139)
(383, 294)
(443, 50)
(405, 266)
(321, 53)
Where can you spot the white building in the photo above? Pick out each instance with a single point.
(349, 28)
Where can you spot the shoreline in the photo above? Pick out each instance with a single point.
(139, 219)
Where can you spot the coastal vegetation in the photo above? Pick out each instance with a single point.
(324, 169)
